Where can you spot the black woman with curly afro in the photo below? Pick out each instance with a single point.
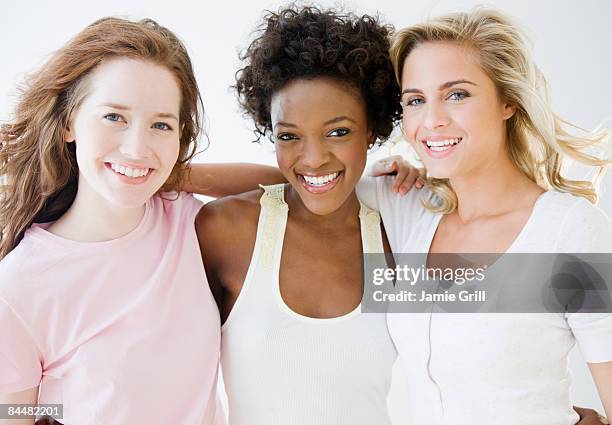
(285, 262)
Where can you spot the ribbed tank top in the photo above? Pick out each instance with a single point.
(282, 368)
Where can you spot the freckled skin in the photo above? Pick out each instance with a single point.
(121, 121)
(135, 134)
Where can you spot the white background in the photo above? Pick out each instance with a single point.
(571, 41)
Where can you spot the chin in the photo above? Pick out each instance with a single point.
(321, 209)
(438, 171)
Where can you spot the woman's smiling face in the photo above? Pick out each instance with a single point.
(452, 113)
(321, 136)
(127, 131)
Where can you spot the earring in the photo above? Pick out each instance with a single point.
(371, 145)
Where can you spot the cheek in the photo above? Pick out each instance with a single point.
(471, 116)
(354, 156)
(410, 126)
(94, 145)
(482, 123)
(285, 158)
(169, 150)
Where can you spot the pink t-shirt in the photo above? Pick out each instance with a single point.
(120, 332)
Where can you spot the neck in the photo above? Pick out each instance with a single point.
(91, 218)
(335, 222)
(495, 189)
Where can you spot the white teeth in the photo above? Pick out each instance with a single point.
(320, 180)
(129, 172)
(441, 143)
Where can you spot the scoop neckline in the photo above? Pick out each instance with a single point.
(39, 230)
(519, 237)
(277, 289)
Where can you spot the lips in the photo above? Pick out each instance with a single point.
(440, 147)
(443, 144)
(129, 175)
(129, 171)
(319, 182)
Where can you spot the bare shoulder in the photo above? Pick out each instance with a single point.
(226, 230)
(227, 226)
(235, 211)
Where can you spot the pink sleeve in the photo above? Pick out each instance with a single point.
(192, 205)
(20, 358)
(185, 205)
(194, 202)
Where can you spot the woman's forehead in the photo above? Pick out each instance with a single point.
(317, 100)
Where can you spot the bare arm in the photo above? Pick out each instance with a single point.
(602, 375)
(29, 396)
(406, 176)
(227, 230)
(218, 180)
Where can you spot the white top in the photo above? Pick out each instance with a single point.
(282, 368)
(495, 368)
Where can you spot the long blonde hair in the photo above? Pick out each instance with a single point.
(539, 142)
(38, 169)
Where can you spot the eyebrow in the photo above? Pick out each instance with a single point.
(338, 119)
(332, 121)
(441, 86)
(127, 108)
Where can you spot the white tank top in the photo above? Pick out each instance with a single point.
(282, 368)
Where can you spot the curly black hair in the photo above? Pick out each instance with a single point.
(307, 42)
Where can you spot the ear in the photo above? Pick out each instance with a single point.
(508, 111)
(69, 134)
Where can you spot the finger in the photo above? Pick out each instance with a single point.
(381, 168)
(406, 179)
(400, 178)
(388, 165)
(409, 181)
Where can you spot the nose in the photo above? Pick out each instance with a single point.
(315, 153)
(436, 116)
(136, 143)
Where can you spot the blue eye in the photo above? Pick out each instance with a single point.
(162, 126)
(286, 137)
(113, 117)
(339, 132)
(415, 101)
(458, 95)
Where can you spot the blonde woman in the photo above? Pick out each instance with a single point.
(476, 113)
